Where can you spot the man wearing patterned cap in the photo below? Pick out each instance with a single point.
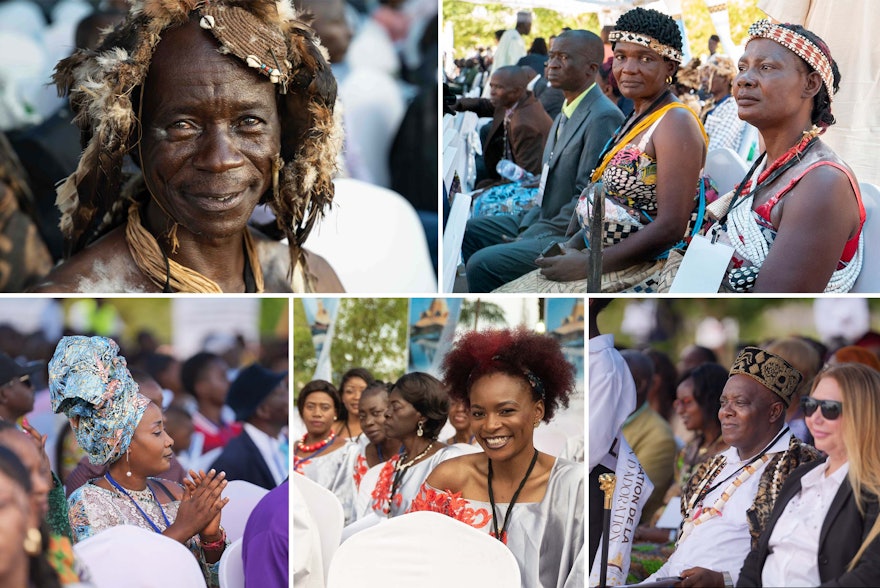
(729, 498)
(221, 105)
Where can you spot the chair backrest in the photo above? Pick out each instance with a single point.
(243, 497)
(136, 558)
(327, 511)
(417, 549)
(368, 256)
(869, 278)
(748, 143)
(725, 167)
(453, 235)
(549, 440)
(231, 570)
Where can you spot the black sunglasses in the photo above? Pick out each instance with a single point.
(830, 408)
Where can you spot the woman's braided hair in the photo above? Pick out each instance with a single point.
(653, 23)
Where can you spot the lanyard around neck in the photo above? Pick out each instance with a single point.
(502, 536)
(147, 518)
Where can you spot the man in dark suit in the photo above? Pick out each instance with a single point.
(498, 249)
(259, 398)
(519, 124)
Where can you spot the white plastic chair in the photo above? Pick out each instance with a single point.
(374, 240)
(549, 440)
(725, 167)
(231, 570)
(243, 497)
(425, 549)
(136, 558)
(327, 511)
(869, 278)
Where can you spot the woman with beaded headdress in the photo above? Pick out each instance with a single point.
(512, 380)
(795, 219)
(221, 105)
(120, 428)
(650, 171)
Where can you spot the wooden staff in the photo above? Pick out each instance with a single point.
(594, 279)
(606, 483)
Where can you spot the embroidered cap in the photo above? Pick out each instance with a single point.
(769, 370)
(90, 383)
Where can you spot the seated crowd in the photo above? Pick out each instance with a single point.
(382, 451)
(157, 446)
(531, 232)
(765, 474)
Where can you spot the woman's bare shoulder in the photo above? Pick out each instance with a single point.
(454, 474)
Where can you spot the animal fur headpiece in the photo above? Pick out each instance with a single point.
(266, 35)
(689, 74)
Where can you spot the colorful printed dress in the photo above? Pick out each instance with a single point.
(546, 538)
(93, 509)
(333, 471)
(384, 504)
(630, 180)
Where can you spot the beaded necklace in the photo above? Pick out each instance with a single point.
(301, 444)
(502, 535)
(318, 448)
(147, 518)
(400, 468)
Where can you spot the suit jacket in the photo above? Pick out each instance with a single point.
(529, 127)
(241, 460)
(843, 531)
(571, 158)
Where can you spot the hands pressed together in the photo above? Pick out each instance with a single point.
(201, 504)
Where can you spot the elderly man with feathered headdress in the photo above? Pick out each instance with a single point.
(192, 113)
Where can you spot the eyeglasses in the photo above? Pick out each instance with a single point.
(830, 408)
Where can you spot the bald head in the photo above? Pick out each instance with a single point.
(590, 44)
(507, 86)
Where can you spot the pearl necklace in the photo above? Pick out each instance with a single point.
(301, 444)
(401, 465)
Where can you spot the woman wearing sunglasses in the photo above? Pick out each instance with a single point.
(824, 525)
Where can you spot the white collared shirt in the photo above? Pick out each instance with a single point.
(270, 448)
(794, 543)
(611, 396)
(722, 542)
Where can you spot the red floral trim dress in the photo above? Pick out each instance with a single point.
(452, 505)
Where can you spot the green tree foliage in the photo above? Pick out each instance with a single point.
(481, 313)
(369, 332)
(475, 25)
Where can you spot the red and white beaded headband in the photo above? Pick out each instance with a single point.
(646, 41)
(799, 44)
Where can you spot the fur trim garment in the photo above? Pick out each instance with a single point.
(104, 87)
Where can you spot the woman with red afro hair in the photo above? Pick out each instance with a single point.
(531, 501)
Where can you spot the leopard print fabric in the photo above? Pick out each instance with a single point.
(773, 476)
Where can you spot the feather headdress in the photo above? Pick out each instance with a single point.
(266, 35)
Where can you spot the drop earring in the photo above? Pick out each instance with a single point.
(127, 463)
(33, 542)
(420, 431)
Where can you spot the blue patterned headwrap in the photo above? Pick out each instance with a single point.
(90, 383)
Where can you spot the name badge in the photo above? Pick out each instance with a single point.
(702, 268)
(540, 197)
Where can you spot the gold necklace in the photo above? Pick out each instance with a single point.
(401, 465)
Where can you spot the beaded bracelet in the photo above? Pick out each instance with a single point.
(215, 545)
